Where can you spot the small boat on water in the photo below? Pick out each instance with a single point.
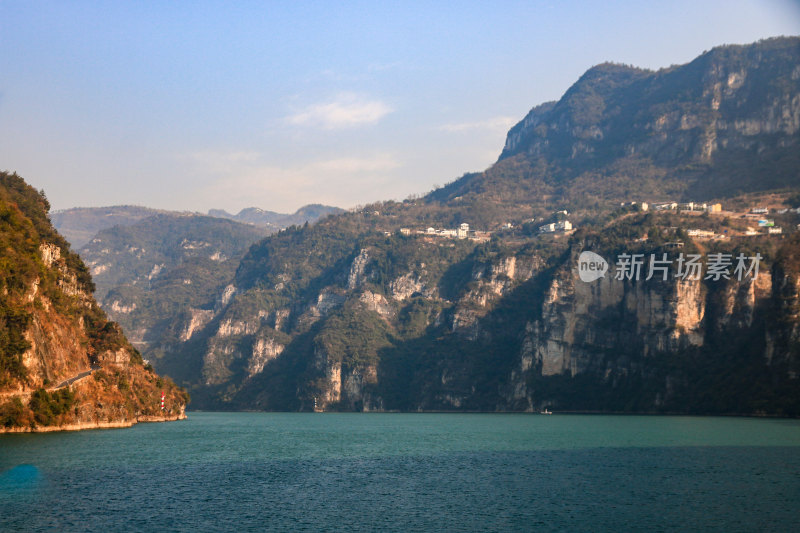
(546, 412)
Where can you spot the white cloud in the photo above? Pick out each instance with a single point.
(501, 124)
(346, 111)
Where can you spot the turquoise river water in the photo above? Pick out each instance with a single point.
(407, 472)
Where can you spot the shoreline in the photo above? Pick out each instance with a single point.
(82, 426)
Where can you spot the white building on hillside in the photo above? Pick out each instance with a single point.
(564, 225)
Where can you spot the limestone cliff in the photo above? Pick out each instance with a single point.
(581, 320)
(666, 336)
(63, 364)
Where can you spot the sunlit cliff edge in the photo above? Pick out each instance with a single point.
(63, 364)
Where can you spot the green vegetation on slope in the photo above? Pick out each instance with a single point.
(46, 311)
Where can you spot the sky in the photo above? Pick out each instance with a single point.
(277, 104)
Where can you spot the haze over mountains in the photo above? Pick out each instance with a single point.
(80, 224)
(156, 265)
(373, 310)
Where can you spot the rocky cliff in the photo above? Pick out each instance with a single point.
(662, 337)
(506, 328)
(371, 309)
(63, 364)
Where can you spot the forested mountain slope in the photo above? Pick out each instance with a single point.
(63, 364)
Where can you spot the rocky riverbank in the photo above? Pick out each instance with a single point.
(96, 425)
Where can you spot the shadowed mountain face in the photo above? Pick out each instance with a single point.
(399, 306)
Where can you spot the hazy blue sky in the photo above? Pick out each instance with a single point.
(195, 105)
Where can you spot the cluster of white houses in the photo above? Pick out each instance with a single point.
(462, 232)
(766, 226)
(749, 232)
(709, 208)
(675, 206)
(758, 212)
(771, 229)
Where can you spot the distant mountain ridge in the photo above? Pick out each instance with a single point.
(80, 224)
(273, 220)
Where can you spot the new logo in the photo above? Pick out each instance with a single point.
(591, 266)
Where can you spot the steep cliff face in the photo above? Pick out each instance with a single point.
(682, 345)
(517, 329)
(490, 282)
(582, 320)
(327, 347)
(63, 365)
(368, 310)
(724, 99)
(783, 331)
